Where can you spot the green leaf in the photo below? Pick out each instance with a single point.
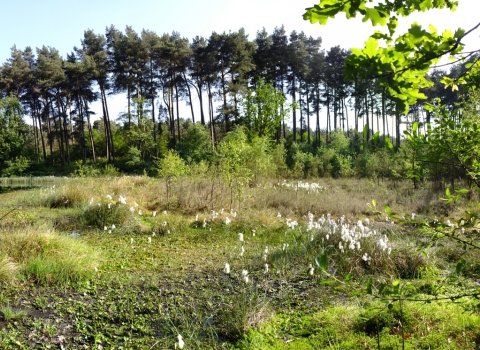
(365, 132)
(388, 210)
(369, 286)
(415, 127)
(322, 262)
(460, 266)
(371, 46)
(327, 281)
(375, 16)
(348, 277)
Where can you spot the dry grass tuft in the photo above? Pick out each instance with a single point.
(8, 270)
(47, 257)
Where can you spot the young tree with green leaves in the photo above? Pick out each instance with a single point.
(263, 110)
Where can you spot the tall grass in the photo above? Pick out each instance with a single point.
(8, 270)
(46, 258)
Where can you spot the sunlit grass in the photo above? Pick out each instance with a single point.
(154, 273)
(47, 257)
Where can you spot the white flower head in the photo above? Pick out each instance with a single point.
(227, 220)
(105, 228)
(266, 268)
(149, 239)
(113, 226)
(240, 237)
(181, 343)
(365, 257)
(226, 268)
(154, 214)
(122, 200)
(109, 196)
(242, 250)
(311, 270)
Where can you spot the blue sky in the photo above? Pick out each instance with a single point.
(61, 23)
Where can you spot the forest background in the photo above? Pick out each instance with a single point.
(289, 93)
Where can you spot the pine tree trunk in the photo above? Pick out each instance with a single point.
(308, 119)
(210, 115)
(37, 112)
(317, 131)
(82, 130)
(178, 112)
(92, 141)
(154, 126)
(294, 111)
(189, 97)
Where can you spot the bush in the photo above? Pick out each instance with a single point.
(103, 214)
(65, 197)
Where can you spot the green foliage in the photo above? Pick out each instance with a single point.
(377, 165)
(13, 131)
(133, 157)
(85, 170)
(105, 214)
(11, 314)
(170, 168)
(264, 109)
(233, 157)
(413, 152)
(402, 64)
(138, 129)
(195, 145)
(16, 167)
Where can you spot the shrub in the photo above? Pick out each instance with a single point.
(104, 214)
(64, 197)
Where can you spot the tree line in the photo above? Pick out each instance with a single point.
(157, 73)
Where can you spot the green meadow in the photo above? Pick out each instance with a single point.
(111, 263)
